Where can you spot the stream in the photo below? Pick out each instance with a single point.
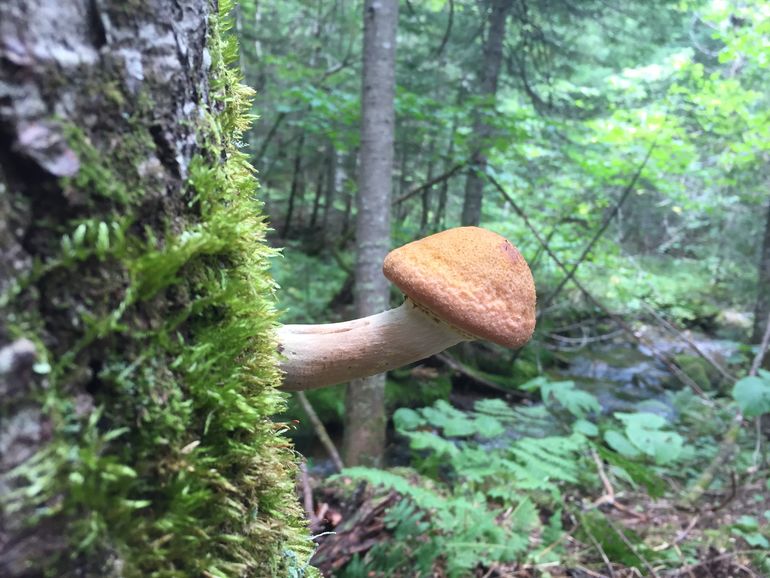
(623, 376)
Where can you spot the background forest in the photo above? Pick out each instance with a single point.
(623, 147)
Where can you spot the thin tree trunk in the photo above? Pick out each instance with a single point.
(330, 190)
(440, 215)
(490, 72)
(427, 195)
(351, 168)
(319, 185)
(365, 421)
(762, 308)
(297, 186)
(137, 365)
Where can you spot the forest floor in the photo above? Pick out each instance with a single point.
(660, 537)
(351, 522)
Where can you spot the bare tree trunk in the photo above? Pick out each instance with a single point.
(427, 195)
(762, 308)
(297, 185)
(330, 190)
(350, 167)
(137, 366)
(490, 72)
(439, 217)
(365, 401)
(319, 187)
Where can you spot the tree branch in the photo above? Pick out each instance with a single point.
(607, 220)
(675, 369)
(320, 430)
(441, 178)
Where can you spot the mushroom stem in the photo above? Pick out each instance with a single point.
(320, 355)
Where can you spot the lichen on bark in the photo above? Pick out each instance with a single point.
(136, 353)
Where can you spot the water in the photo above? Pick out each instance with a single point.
(624, 377)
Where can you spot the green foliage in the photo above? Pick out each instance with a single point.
(747, 527)
(626, 548)
(493, 485)
(646, 434)
(753, 394)
(476, 494)
(564, 393)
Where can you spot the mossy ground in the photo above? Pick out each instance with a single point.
(168, 464)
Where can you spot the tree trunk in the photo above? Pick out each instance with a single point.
(297, 186)
(365, 401)
(427, 195)
(762, 308)
(319, 187)
(330, 190)
(137, 362)
(490, 72)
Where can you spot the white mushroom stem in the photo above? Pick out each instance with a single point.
(320, 355)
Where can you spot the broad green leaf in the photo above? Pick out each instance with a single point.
(753, 395)
(620, 444)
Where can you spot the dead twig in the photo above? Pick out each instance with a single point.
(760, 356)
(731, 496)
(728, 446)
(307, 500)
(681, 335)
(694, 566)
(320, 431)
(609, 492)
(601, 551)
(462, 369)
(633, 549)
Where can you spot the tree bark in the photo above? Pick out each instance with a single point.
(137, 362)
(762, 308)
(490, 72)
(364, 441)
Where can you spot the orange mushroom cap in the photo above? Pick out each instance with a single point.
(472, 279)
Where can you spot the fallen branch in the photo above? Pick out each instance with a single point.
(680, 334)
(462, 369)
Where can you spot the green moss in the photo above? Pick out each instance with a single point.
(699, 370)
(177, 468)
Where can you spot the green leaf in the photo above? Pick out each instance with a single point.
(577, 402)
(405, 419)
(747, 523)
(487, 426)
(753, 395)
(639, 473)
(585, 427)
(645, 432)
(620, 444)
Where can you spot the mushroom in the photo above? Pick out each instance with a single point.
(461, 284)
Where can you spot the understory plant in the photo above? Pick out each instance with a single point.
(503, 484)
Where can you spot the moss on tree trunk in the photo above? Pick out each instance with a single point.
(137, 364)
